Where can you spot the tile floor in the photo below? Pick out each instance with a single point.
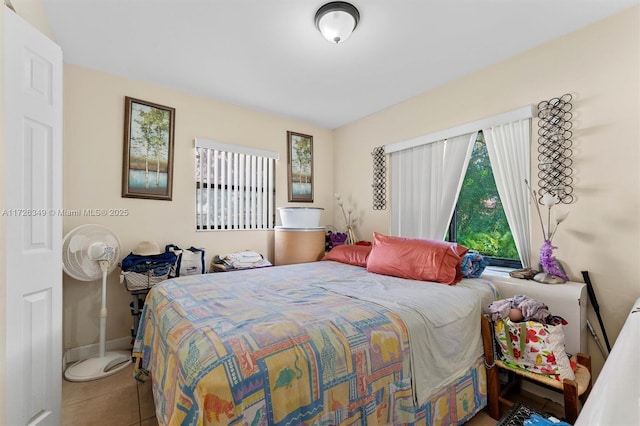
(119, 400)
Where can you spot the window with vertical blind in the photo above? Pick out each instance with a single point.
(235, 187)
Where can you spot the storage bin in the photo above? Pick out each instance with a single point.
(300, 217)
(135, 281)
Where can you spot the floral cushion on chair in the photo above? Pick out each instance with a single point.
(535, 347)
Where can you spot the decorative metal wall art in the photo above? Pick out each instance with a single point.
(554, 148)
(379, 179)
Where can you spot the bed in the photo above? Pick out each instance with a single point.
(321, 343)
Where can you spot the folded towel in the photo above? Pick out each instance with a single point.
(245, 259)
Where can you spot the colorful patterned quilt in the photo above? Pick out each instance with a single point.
(283, 346)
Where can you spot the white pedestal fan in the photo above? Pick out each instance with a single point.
(88, 253)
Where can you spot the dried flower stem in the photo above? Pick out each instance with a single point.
(549, 201)
(351, 236)
(549, 223)
(535, 201)
(346, 222)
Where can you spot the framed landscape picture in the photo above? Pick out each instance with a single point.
(147, 170)
(300, 167)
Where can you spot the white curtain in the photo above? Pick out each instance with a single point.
(509, 152)
(425, 185)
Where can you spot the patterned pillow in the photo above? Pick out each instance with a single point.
(472, 264)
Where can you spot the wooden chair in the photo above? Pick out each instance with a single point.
(573, 390)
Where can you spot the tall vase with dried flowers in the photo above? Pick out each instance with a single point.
(348, 220)
(553, 273)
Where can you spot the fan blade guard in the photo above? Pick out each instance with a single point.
(84, 246)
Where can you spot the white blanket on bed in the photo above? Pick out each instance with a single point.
(443, 323)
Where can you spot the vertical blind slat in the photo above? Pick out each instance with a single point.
(229, 191)
(253, 192)
(241, 191)
(270, 185)
(205, 192)
(259, 193)
(247, 200)
(215, 175)
(222, 188)
(235, 191)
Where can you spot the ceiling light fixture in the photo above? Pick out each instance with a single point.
(337, 20)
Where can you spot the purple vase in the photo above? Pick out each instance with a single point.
(549, 262)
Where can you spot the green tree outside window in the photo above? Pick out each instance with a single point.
(479, 222)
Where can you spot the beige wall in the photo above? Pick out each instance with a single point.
(94, 123)
(600, 66)
(33, 12)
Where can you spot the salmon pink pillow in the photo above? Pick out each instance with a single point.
(416, 259)
(351, 254)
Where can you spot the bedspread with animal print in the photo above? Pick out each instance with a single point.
(272, 346)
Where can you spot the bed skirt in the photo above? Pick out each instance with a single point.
(453, 405)
(458, 403)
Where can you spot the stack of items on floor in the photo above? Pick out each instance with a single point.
(146, 266)
(246, 259)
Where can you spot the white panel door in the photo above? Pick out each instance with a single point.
(33, 178)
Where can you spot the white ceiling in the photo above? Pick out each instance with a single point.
(268, 55)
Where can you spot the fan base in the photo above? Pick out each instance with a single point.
(98, 367)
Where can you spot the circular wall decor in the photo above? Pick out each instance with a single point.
(554, 148)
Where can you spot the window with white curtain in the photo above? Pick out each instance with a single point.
(428, 171)
(425, 182)
(235, 187)
(479, 221)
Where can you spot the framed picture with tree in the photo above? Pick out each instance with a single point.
(300, 167)
(147, 170)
